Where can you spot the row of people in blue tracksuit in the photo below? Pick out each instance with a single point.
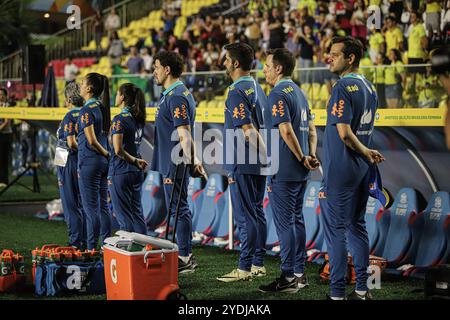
(89, 165)
(347, 161)
(349, 165)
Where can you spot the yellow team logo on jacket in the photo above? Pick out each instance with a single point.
(278, 110)
(116, 125)
(176, 113)
(85, 118)
(235, 112)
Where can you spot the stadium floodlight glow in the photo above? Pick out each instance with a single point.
(47, 15)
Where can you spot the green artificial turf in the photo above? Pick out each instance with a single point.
(49, 189)
(22, 233)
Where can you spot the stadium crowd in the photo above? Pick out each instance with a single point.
(409, 30)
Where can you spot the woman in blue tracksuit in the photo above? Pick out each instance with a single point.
(67, 170)
(93, 156)
(126, 167)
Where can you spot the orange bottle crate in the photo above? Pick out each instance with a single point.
(140, 275)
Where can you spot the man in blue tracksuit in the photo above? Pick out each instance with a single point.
(244, 157)
(297, 143)
(67, 173)
(347, 161)
(175, 118)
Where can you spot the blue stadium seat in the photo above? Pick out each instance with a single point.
(153, 201)
(403, 214)
(432, 242)
(377, 223)
(194, 190)
(218, 232)
(311, 214)
(204, 217)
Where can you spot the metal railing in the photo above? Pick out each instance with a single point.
(64, 42)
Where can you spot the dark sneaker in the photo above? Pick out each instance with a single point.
(188, 267)
(194, 262)
(281, 284)
(356, 296)
(302, 282)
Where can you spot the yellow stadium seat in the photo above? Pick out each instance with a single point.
(315, 91)
(211, 104)
(104, 43)
(104, 62)
(202, 104)
(324, 93)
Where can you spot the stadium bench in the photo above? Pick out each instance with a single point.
(403, 217)
(433, 242)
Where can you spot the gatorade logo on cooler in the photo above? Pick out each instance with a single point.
(113, 269)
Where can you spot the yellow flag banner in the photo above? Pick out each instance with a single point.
(383, 117)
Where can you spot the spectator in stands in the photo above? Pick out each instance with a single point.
(378, 80)
(276, 37)
(169, 21)
(396, 9)
(184, 44)
(211, 56)
(433, 11)
(265, 31)
(159, 39)
(305, 18)
(253, 33)
(292, 42)
(307, 42)
(358, 21)
(148, 60)
(446, 24)
(417, 45)
(112, 22)
(392, 34)
(218, 32)
(5, 141)
(135, 63)
(376, 43)
(321, 22)
(70, 71)
(97, 5)
(394, 79)
(98, 29)
(429, 90)
(116, 48)
(440, 61)
(343, 15)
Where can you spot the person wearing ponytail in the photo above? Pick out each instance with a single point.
(66, 160)
(126, 168)
(93, 156)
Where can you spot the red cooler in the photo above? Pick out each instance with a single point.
(139, 267)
